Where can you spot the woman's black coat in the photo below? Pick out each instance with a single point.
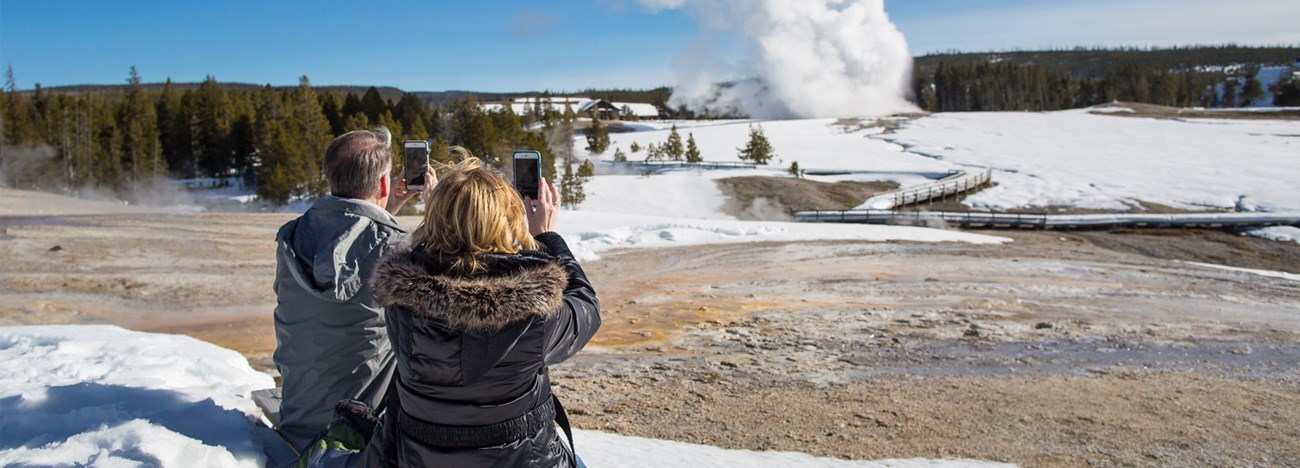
(474, 351)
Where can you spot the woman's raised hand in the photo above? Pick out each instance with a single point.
(543, 211)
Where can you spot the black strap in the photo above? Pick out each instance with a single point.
(562, 418)
(461, 437)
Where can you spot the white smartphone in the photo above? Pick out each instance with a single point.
(416, 155)
(528, 173)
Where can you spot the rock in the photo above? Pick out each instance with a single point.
(57, 248)
(1044, 326)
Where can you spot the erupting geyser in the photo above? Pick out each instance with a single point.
(807, 59)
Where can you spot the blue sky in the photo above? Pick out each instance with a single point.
(516, 45)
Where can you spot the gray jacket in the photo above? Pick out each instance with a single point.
(331, 334)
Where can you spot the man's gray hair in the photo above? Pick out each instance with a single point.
(356, 161)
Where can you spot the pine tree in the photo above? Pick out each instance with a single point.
(1251, 91)
(1229, 92)
(673, 147)
(473, 129)
(357, 121)
(333, 111)
(174, 131)
(794, 169)
(412, 112)
(290, 134)
(1286, 93)
(17, 117)
(597, 138)
(351, 106)
(438, 152)
(210, 129)
(619, 156)
(242, 140)
(373, 104)
(313, 136)
(586, 170)
(635, 148)
(276, 173)
(138, 143)
(758, 149)
(692, 150)
(571, 190)
(653, 153)
(398, 133)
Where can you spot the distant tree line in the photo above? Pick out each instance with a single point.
(1096, 61)
(1054, 80)
(120, 139)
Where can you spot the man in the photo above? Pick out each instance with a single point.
(331, 335)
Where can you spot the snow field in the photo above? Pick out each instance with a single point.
(1074, 158)
(1068, 158)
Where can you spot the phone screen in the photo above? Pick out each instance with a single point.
(527, 176)
(417, 163)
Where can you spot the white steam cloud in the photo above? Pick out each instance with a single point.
(810, 58)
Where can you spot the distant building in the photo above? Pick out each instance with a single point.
(582, 106)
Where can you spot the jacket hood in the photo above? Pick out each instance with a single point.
(327, 248)
(513, 288)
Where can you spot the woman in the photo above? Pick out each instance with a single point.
(480, 303)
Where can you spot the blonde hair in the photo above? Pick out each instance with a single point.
(472, 211)
(459, 153)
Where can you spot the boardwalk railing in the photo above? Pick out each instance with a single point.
(988, 220)
(956, 183)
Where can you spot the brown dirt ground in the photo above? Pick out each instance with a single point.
(1056, 349)
(793, 194)
(1152, 419)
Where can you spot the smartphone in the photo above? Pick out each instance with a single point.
(528, 173)
(416, 155)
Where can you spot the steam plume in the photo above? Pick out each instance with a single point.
(810, 58)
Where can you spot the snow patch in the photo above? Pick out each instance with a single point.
(1265, 273)
(102, 395)
(592, 233)
(601, 449)
(1277, 233)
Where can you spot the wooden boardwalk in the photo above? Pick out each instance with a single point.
(990, 220)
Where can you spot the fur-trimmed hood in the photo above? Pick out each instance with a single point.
(513, 288)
